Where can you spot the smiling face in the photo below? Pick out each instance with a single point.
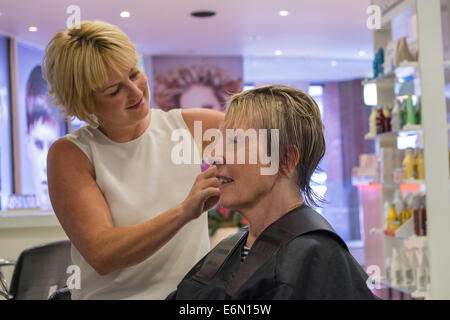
(243, 186)
(124, 100)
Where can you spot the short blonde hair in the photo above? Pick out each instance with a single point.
(296, 115)
(76, 62)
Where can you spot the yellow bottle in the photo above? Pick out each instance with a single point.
(373, 122)
(420, 161)
(392, 218)
(408, 165)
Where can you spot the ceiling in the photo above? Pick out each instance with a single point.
(315, 33)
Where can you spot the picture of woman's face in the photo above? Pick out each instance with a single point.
(199, 96)
(40, 137)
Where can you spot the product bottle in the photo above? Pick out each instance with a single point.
(422, 272)
(373, 122)
(391, 216)
(387, 120)
(404, 211)
(410, 111)
(396, 121)
(420, 162)
(403, 114)
(380, 120)
(423, 209)
(407, 268)
(408, 165)
(419, 110)
(409, 205)
(396, 269)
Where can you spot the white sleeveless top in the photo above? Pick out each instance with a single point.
(140, 181)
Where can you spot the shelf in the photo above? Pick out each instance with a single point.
(409, 129)
(405, 69)
(408, 290)
(409, 242)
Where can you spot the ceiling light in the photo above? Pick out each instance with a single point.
(125, 14)
(33, 29)
(278, 52)
(362, 53)
(203, 14)
(334, 63)
(283, 13)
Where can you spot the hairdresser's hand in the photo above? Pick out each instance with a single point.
(203, 196)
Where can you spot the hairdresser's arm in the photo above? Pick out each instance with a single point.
(86, 218)
(210, 119)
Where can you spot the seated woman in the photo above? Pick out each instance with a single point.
(289, 251)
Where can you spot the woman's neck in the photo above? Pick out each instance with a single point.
(125, 133)
(269, 210)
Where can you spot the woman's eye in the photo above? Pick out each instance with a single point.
(134, 75)
(115, 92)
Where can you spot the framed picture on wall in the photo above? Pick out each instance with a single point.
(6, 170)
(40, 124)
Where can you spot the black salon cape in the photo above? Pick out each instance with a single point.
(313, 265)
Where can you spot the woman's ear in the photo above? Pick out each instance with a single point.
(291, 157)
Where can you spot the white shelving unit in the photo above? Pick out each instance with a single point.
(430, 84)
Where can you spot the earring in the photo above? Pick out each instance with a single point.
(93, 119)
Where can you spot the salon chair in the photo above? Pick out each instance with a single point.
(38, 272)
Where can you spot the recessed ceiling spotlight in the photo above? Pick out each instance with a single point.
(278, 52)
(334, 63)
(33, 29)
(203, 14)
(283, 13)
(362, 53)
(125, 14)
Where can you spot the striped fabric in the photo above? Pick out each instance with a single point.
(244, 253)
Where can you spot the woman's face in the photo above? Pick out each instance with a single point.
(248, 186)
(199, 96)
(40, 137)
(124, 100)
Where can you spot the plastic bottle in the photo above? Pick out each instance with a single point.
(396, 269)
(396, 121)
(420, 163)
(391, 216)
(419, 110)
(403, 114)
(408, 164)
(410, 111)
(380, 119)
(423, 209)
(373, 122)
(387, 120)
(407, 269)
(423, 272)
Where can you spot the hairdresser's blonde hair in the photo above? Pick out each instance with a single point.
(76, 62)
(298, 119)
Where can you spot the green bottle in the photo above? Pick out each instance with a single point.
(403, 114)
(410, 111)
(419, 111)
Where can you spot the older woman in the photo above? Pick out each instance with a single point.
(135, 223)
(289, 251)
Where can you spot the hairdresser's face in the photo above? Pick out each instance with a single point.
(124, 100)
(247, 186)
(40, 137)
(199, 96)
